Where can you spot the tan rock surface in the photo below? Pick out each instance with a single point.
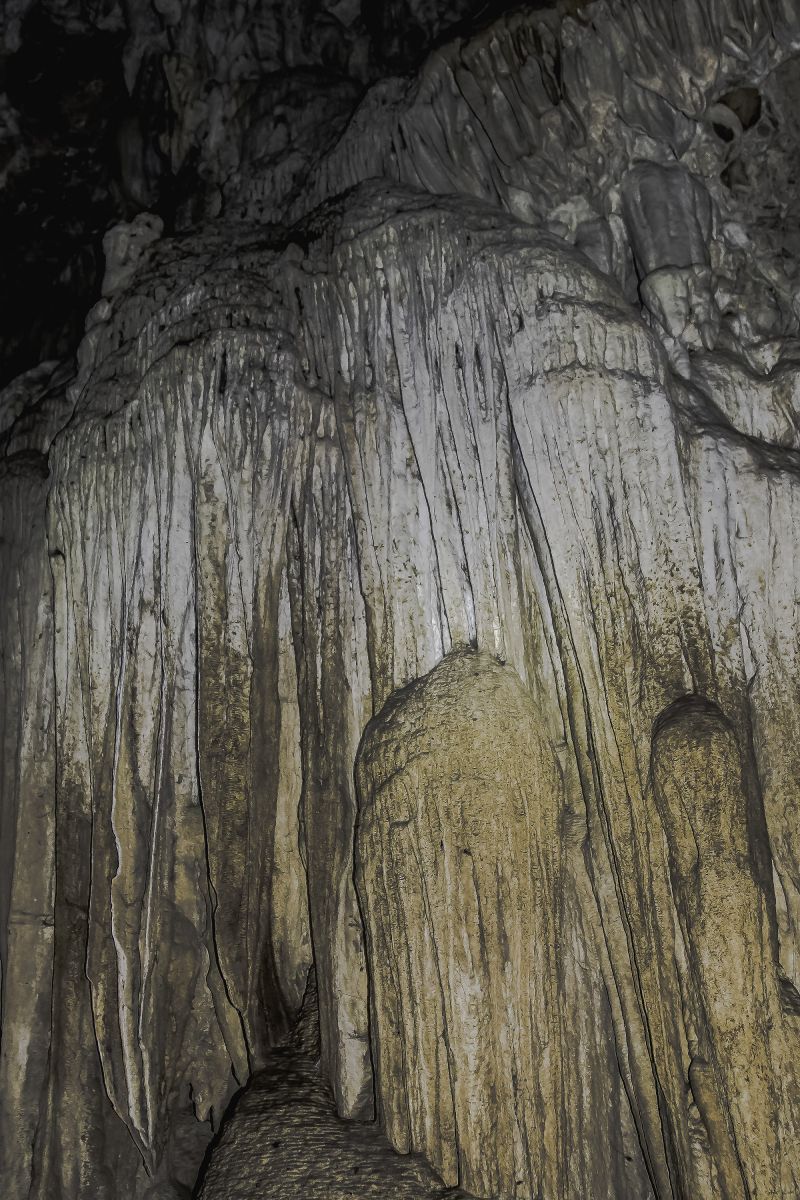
(463, 883)
(431, 467)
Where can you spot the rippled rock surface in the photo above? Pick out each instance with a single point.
(282, 1138)
(404, 584)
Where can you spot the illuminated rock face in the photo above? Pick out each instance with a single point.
(412, 593)
(464, 881)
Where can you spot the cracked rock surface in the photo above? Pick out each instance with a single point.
(404, 584)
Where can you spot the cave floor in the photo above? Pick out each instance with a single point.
(282, 1138)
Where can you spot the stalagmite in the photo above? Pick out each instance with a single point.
(463, 885)
(723, 897)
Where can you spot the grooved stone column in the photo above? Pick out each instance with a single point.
(742, 1075)
(457, 869)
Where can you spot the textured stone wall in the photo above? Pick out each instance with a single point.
(410, 591)
(477, 994)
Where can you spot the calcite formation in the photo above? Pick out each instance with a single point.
(405, 585)
(461, 797)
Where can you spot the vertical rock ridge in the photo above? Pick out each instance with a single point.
(475, 495)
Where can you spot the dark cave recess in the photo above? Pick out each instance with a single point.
(90, 105)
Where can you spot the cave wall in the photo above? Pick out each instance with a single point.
(324, 497)
(27, 832)
(463, 797)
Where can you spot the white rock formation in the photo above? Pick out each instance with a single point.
(413, 466)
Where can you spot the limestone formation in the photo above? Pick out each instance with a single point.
(403, 584)
(713, 829)
(464, 884)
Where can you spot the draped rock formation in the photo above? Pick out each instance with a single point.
(404, 585)
(462, 874)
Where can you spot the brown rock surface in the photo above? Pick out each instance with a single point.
(488, 466)
(464, 883)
